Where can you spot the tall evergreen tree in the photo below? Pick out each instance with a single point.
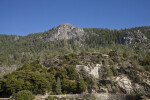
(82, 85)
(58, 86)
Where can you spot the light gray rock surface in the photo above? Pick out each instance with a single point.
(130, 37)
(64, 31)
(90, 69)
(124, 83)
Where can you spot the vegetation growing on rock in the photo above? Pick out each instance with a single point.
(97, 60)
(61, 76)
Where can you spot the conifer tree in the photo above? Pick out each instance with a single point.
(58, 86)
(82, 85)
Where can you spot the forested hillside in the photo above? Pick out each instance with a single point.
(69, 60)
(17, 50)
(115, 73)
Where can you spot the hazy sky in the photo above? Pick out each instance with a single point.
(21, 17)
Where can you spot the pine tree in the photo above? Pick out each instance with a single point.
(58, 86)
(82, 85)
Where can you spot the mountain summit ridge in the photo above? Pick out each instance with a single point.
(64, 31)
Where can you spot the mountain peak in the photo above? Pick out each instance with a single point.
(65, 27)
(67, 24)
(64, 31)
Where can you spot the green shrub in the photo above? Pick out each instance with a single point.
(135, 96)
(125, 55)
(115, 71)
(69, 86)
(147, 68)
(50, 98)
(24, 95)
(70, 56)
(82, 85)
(109, 71)
(112, 53)
(146, 60)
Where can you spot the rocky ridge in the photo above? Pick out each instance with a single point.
(134, 37)
(64, 32)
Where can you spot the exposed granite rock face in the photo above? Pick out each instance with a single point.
(5, 70)
(125, 84)
(91, 69)
(94, 71)
(64, 31)
(133, 37)
(121, 82)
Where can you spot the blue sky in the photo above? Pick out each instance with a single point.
(22, 17)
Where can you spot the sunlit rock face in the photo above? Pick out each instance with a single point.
(64, 31)
(90, 69)
(125, 84)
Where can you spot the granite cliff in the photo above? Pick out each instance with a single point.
(64, 32)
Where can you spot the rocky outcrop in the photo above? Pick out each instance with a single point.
(138, 88)
(90, 69)
(125, 84)
(7, 69)
(133, 37)
(64, 31)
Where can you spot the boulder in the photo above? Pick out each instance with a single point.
(124, 84)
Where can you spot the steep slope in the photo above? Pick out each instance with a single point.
(137, 38)
(83, 73)
(17, 50)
